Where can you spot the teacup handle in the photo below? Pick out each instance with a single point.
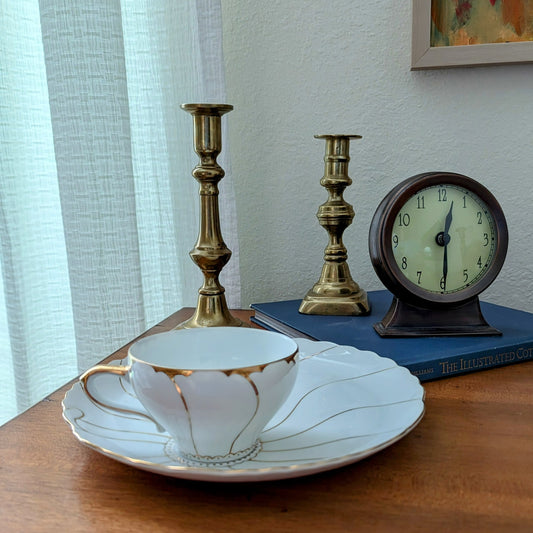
(120, 371)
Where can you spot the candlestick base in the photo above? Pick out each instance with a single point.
(211, 311)
(335, 294)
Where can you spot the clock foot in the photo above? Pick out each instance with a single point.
(407, 320)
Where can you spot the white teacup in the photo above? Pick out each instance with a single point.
(212, 389)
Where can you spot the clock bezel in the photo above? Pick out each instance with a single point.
(380, 240)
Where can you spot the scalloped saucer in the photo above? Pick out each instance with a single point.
(346, 404)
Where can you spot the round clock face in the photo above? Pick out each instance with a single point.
(444, 238)
(438, 238)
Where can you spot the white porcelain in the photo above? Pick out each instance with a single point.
(345, 405)
(212, 389)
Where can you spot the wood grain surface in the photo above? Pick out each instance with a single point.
(468, 466)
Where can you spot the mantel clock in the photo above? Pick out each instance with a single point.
(436, 241)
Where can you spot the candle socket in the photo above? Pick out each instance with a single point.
(335, 293)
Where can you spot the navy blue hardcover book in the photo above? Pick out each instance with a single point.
(426, 357)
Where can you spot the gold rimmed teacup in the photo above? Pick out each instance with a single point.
(212, 389)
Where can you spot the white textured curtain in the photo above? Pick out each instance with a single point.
(98, 208)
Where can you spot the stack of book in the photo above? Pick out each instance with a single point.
(426, 357)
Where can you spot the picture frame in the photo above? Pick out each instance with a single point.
(425, 56)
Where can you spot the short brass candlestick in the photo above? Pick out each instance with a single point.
(210, 252)
(335, 293)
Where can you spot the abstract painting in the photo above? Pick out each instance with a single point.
(467, 22)
(452, 33)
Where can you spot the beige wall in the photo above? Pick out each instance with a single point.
(296, 68)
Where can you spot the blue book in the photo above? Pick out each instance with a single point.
(427, 358)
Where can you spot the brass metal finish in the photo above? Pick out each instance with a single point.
(210, 252)
(336, 293)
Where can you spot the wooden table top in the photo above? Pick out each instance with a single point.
(468, 466)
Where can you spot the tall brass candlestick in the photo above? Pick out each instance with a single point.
(210, 252)
(336, 293)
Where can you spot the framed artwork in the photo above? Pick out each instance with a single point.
(463, 33)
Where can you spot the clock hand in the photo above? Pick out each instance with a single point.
(448, 222)
(446, 240)
(445, 267)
